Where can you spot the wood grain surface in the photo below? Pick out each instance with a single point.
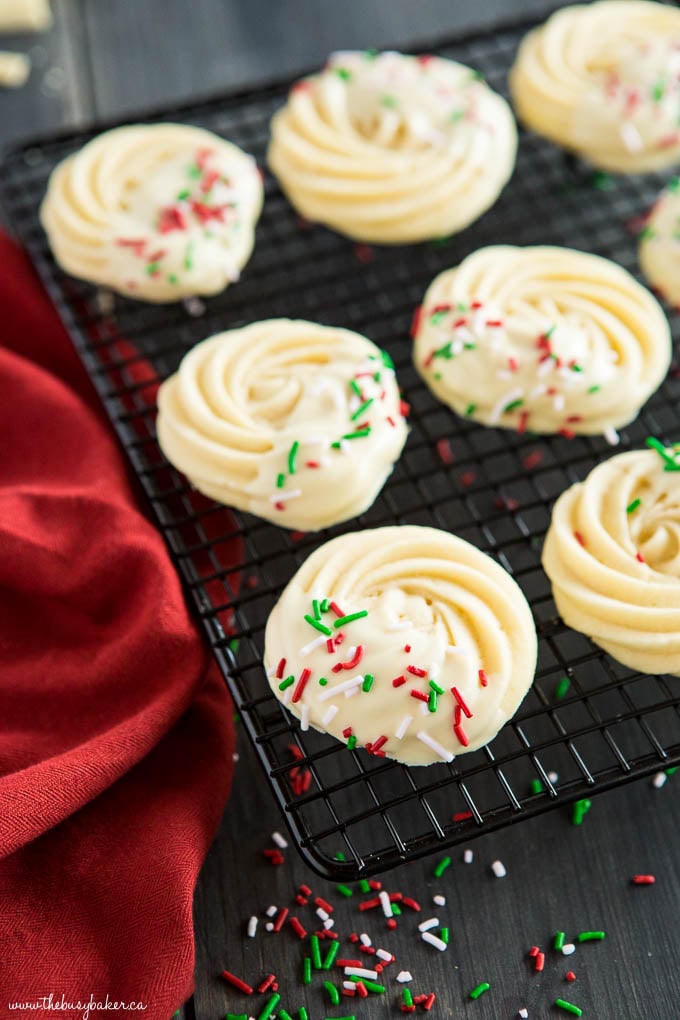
(104, 58)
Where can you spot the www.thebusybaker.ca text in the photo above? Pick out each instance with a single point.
(91, 1005)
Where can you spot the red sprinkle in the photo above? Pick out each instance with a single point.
(301, 684)
(467, 478)
(570, 976)
(347, 732)
(444, 451)
(297, 927)
(171, 218)
(416, 671)
(336, 609)
(460, 733)
(324, 904)
(429, 1001)
(364, 253)
(267, 983)
(419, 695)
(459, 698)
(404, 409)
(643, 880)
(349, 963)
(281, 918)
(399, 681)
(380, 742)
(534, 951)
(639, 557)
(369, 904)
(351, 663)
(580, 539)
(462, 816)
(408, 902)
(312, 464)
(540, 961)
(523, 421)
(280, 668)
(391, 923)
(415, 321)
(236, 982)
(483, 678)
(532, 460)
(361, 989)
(305, 890)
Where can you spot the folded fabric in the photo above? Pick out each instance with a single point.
(116, 740)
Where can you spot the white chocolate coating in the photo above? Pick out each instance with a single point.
(602, 80)
(438, 610)
(392, 149)
(542, 338)
(659, 250)
(615, 565)
(248, 405)
(14, 69)
(157, 212)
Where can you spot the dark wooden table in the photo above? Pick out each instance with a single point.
(105, 59)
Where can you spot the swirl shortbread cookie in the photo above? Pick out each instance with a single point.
(392, 148)
(659, 250)
(542, 338)
(407, 641)
(612, 554)
(602, 80)
(295, 422)
(157, 211)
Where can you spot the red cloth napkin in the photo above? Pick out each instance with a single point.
(116, 739)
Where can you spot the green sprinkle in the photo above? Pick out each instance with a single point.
(368, 683)
(436, 687)
(364, 887)
(237, 717)
(568, 1007)
(343, 73)
(306, 971)
(477, 76)
(671, 772)
(361, 410)
(387, 360)
(270, 1007)
(172, 278)
(153, 267)
(389, 102)
(441, 867)
(189, 256)
(230, 1016)
(194, 171)
(470, 409)
(292, 454)
(315, 951)
(668, 459)
(432, 702)
(480, 989)
(591, 936)
(288, 682)
(344, 890)
(325, 605)
(562, 687)
(359, 434)
(513, 405)
(594, 389)
(183, 195)
(456, 116)
(647, 233)
(407, 997)
(576, 368)
(350, 618)
(370, 54)
(601, 181)
(673, 184)
(559, 940)
(322, 681)
(351, 742)
(549, 332)
(283, 1015)
(441, 242)
(396, 910)
(658, 90)
(355, 387)
(234, 645)
(303, 1014)
(316, 609)
(437, 317)
(318, 625)
(280, 480)
(580, 810)
(444, 936)
(444, 351)
(370, 986)
(437, 376)
(536, 786)
(632, 507)
(333, 993)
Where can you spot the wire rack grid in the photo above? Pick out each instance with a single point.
(613, 724)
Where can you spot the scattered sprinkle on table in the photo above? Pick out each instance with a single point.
(591, 936)
(498, 869)
(480, 989)
(580, 810)
(568, 1007)
(643, 880)
(562, 687)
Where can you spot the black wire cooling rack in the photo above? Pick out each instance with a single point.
(612, 725)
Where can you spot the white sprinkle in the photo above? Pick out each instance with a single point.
(382, 954)
(306, 649)
(659, 780)
(106, 302)
(269, 926)
(498, 869)
(328, 923)
(558, 402)
(508, 398)
(403, 976)
(287, 695)
(537, 391)
(611, 436)
(194, 306)
(439, 944)
(283, 497)
(330, 715)
(401, 625)
(424, 710)
(468, 857)
(304, 717)
(553, 777)
(432, 922)
(279, 840)
(252, 927)
(435, 746)
(385, 903)
(403, 726)
(350, 986)
(455, 650)
(631, 136)
(523, 1014)
(315, 441)
(360, 972)
(364, 939)
(503, 374)
(323, 914)
(568, 949)
(351, 692)
(270, 911)
(235, 757)
(545, 367)
(344, 685)
(439, 900)
(433, 670)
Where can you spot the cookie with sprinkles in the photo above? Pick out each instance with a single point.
(602, 80)
(289, 420)
(154, 211)
(659, 244)
(406, 641)
(389, 148)
(612, 553)
(542, 339)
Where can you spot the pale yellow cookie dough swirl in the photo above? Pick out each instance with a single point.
(157, 212)
(612, 554)
(543, 339)
(295, 422)
(659, 250)
(407, 638)
(390, 148)
(603, 81)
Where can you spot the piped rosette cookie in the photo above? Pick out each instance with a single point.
(659, 250)
(154, 211)
(543, 339)
(406, 641)
(390, 148)
(603, 80)
(612, 554)
(292, 421)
